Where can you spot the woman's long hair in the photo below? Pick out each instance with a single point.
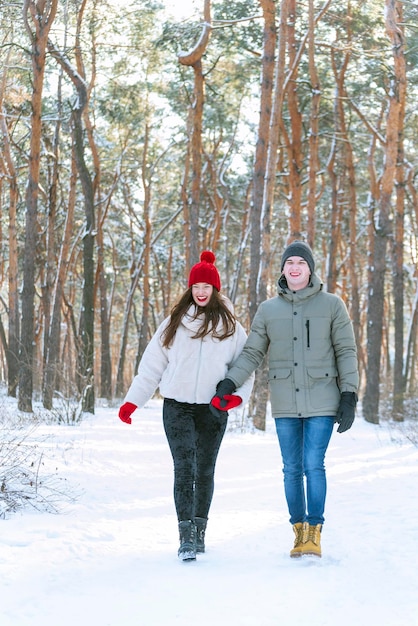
(215, 311)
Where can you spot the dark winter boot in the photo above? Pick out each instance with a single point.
(187, 531)
(200, 534)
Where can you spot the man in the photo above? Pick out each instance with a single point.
(313, 381)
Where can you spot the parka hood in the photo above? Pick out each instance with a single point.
(315, 285)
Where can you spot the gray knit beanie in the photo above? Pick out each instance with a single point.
(299, 248)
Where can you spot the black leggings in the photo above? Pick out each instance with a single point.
(194, 436)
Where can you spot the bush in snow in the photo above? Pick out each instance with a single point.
(23, 479)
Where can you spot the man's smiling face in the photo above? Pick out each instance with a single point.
(297, 272)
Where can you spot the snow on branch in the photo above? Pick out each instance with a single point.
(78, 81)
(196, 53)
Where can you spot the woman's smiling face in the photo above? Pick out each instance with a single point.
(202, 293)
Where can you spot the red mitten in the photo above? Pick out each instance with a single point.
(126, 411)
(227, 402)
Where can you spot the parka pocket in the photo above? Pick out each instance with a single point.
(281, 388)
(323, 388)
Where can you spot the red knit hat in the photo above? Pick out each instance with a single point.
(205, 271)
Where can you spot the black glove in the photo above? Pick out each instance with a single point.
(225, 388)
(217, 412)
(346, 411)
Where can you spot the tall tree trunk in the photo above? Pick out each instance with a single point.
(333, 165)
(314, 129)
(345, 150)
(410, 359)
(105, 351)
(293, 135)
(383, 223)
(398, 248)
(10, 174)
(398, 292)
(260, 397)
(409, 375)
(261, 148)
(86, 348)
(42, 16)
(100, 281)
(53, 340)
(144, 326)
(260, 394)
(50, 278)
(85, 373)
(193, 59)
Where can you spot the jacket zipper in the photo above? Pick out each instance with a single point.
(308, 337)
(198, 369)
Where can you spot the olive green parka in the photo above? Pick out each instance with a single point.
(311, 348)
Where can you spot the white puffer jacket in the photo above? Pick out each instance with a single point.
(189, 370)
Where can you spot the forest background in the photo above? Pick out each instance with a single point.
(132, 139)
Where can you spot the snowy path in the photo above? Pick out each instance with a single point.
(109, 559)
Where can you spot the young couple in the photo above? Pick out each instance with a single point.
(203, 363)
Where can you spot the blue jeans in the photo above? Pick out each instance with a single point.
(303, 444)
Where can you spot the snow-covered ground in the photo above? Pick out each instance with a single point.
(109, 558)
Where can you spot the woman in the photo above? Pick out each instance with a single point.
(190, 352)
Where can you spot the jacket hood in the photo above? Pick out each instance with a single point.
(315, 285)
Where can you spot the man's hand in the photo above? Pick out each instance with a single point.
(346, 411)
(224, 388)
(223, 400)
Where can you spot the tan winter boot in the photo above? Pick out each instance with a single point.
(297, 548)
(311, 541)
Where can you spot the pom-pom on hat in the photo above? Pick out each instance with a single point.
(205, 271)
(299, 248)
